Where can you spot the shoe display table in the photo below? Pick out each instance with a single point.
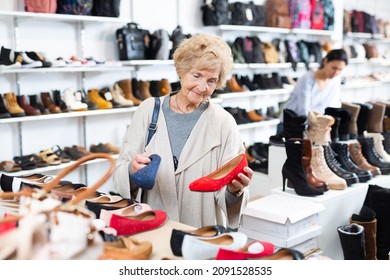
(339, 207)
(160, 239)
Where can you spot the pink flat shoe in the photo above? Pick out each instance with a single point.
(222, 176)
(255, 249)
(144, 221)
(131, 210)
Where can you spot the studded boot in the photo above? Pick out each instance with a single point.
(322, 170)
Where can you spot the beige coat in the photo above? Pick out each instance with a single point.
(214, 140)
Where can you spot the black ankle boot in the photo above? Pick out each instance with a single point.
(59, 102)
(335, 166)
(36, 104)
(344, 158)
(372, 156)
(362, 119)
(293, 170)
(340, 130)
(293, 127)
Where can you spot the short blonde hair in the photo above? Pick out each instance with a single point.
(202, 52)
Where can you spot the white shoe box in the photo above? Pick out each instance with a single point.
(304, 242)
(280, 216)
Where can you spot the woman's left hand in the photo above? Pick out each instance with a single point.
(245, 179)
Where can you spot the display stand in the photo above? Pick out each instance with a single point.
(339, 205)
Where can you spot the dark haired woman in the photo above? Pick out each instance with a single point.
(319, 89)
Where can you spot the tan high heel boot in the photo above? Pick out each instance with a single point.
(355, 150)
(126, 87)
(323, 172)
(319, 127)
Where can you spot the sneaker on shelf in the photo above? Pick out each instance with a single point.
(27, 62)
(7, 59)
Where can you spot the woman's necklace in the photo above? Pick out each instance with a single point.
(178, 107)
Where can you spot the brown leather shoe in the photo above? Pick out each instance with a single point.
(126, 248)
(49, 104)
(12, 106)
(30, 110)
(355, 150)
(126, 87)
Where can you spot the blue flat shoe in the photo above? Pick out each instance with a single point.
(146, 176)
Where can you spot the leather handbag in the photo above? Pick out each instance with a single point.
(215, 12)
(130, 41)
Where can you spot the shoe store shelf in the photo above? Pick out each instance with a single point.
(62, 17)
(264, 29)
(67, 69)
(147, 62)
(43, 170)
(272, 66)
(69, 115)
(254, 93)
(361, 84)
(253, 125)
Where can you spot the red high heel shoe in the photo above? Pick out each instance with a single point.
(222, 176)
(144, 221)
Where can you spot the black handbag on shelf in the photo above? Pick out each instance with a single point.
(106, 8)
(130, 41)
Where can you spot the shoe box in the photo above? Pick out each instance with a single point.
(285, 221)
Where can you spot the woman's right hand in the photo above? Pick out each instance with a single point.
(140, 161)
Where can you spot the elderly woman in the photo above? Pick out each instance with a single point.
(194, 138)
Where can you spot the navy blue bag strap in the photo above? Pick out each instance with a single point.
(153, 124)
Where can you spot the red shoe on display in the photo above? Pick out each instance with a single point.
(222, 176)
(255, 249)
(144, 221)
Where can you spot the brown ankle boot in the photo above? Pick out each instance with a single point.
(126, 87)
(355, 150)
(49, 104)
(12, 106)
(30, 110)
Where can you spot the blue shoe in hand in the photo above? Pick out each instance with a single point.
(146, 176)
